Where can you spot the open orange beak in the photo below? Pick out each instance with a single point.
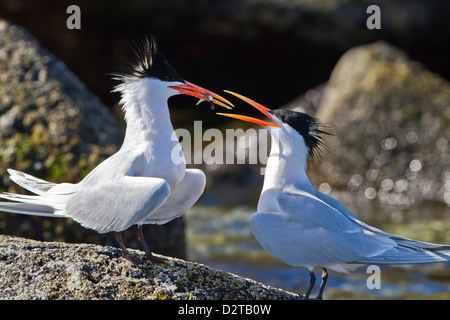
(203, 94)
(255, 104)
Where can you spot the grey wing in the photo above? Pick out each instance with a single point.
(182, 198)
(308, 232)
(117, 204)
(405, 250)
(311, 232)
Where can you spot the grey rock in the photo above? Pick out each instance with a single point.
(391, 119)
(53, 270)
(37, 90)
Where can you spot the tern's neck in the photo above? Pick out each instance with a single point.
(285, 171)
(287, 164)
(146, 112)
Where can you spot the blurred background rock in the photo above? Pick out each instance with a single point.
(384, 93)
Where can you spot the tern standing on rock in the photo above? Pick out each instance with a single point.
(304, 227)
(140, 184)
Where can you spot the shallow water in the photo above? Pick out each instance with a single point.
(222, 239)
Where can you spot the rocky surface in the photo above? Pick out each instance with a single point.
(53, 127)
(53, 270)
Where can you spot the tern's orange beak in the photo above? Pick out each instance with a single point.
(255, 104)
(203, 94)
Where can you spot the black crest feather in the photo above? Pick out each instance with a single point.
(139, 58)
(146, 61)
(308, 127)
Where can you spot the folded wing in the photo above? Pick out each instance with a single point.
(311, 232)
(117, 204)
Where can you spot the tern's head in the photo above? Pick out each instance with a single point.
(309, 128)
(147, 63)
(290, 127)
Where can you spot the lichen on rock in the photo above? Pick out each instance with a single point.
(31, 269)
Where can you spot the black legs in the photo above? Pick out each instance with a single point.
(312, 281)
(322, 285)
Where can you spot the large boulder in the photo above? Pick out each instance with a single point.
(391, 120)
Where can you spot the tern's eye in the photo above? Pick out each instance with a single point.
(284, 119)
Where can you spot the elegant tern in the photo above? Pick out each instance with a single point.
(140, 184)
(303, 227)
